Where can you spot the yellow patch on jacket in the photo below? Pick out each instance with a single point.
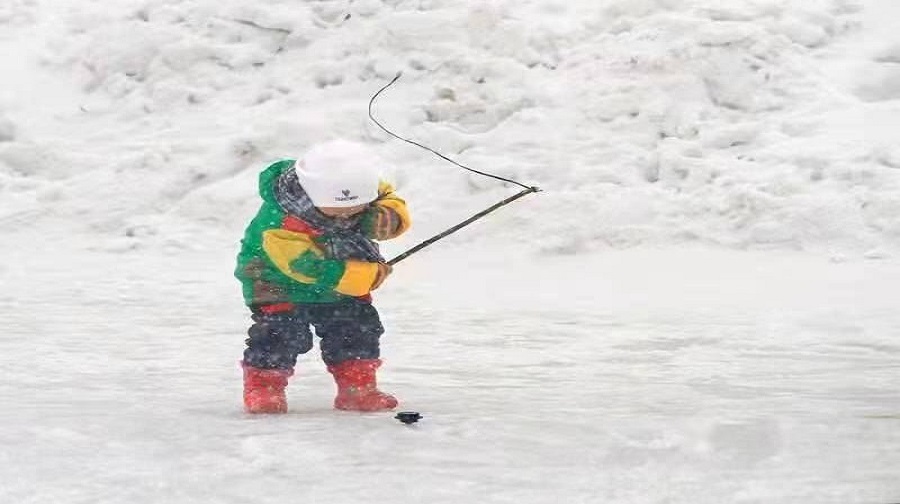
(283, 247)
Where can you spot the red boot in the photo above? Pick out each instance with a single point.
(264, 389)
(357, 390)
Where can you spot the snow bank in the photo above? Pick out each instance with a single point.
(645, 122)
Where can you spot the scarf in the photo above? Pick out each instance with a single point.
(341, 239)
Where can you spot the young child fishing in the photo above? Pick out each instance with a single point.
(309, 259)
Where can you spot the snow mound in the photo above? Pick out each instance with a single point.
(645, 122)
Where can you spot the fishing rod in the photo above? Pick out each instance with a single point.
(462, 224)
(525, 191)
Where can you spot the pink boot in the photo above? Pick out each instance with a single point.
(264, 389)
(357, 390)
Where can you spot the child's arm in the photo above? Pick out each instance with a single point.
(387, 216)
(297, 256)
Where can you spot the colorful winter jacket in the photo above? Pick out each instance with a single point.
(282, 258)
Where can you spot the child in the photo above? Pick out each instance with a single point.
(308, 259)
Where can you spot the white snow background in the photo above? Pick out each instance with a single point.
(701, 307)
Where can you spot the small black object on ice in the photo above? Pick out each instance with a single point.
(408, 417)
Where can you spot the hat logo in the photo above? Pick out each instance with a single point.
(347, 196)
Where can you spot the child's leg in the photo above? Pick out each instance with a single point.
(276, 339)
(350, 345)
(350, 330)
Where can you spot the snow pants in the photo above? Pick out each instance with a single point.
(347, 330)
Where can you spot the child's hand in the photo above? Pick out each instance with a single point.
(384, 269)
(380, 223)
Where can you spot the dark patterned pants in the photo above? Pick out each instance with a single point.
(347, 330)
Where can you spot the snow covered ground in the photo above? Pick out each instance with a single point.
(701, 306)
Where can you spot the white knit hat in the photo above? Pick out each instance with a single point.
(340, 173)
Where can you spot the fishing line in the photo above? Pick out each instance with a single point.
(524, 192)
(429, 149)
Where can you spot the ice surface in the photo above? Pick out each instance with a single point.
(700, 306)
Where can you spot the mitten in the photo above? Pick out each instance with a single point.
(380, 223)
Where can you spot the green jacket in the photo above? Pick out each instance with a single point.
(282, 260)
